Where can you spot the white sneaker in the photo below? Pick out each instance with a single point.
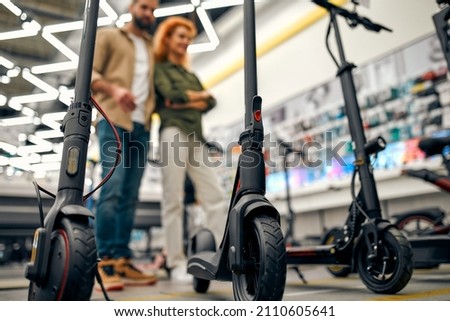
(179, 274)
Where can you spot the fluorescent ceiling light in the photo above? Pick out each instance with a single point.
(60, 66)
(3, 100)
(9, 148)
(221, 4)
(23, 163)
(41, 146)
(123, 19)
(108, 9)
(46, 134)
(12, 7)
(207, 25)
(51, 119)
(4, 161)
(48, 34)
(201, 47)
(50, 93)
(29, 159)
(199, 7)
(15, 121)
(51, 158)
(17, 101)
(174, 10)
(58, 148)
(41, 168)
(28, 112)
(29, 29)
(5, 80)
(39, 83)
(11, 73)
(66, 95)
(7, 63)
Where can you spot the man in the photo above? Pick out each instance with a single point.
(122, 82)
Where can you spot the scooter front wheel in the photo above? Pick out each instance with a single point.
(390, 270)
(265, 255)
(72, 263)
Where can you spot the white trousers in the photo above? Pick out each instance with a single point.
(180, 155)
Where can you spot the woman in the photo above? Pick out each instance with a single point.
(181, 102)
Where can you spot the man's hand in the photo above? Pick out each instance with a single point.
(124, 98)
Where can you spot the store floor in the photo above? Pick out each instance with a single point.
(425, 285)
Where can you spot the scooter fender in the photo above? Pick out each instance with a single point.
(370, 233)
(248, 206)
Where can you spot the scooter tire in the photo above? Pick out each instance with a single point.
(264, 246)
(386, 276)
(203, 241)
(72, 263)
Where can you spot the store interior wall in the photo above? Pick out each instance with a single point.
(300, 63)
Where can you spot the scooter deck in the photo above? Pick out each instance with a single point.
(430, 251)
(320, 254)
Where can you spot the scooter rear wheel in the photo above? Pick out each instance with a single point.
(72, 263)
(203, 241)
(331, 237)
(416, 225)
(265, 254)
(391, 269)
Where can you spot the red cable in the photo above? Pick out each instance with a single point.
(118, 151)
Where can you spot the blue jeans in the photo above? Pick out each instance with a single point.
(116, 206)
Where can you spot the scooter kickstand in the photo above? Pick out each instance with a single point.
(300, 274)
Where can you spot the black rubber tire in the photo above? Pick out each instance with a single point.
(72, 263)
(331, 237)
(204, 241)
(398, 268)
(416, 225)
(264, 245)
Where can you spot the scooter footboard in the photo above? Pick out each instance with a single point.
(430, 251)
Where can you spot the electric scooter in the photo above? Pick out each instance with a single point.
(63, 262)
(367, 243)
(252, 253)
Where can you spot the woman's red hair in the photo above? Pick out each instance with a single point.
(165, 30)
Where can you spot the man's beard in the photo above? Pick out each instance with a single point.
(145, 26)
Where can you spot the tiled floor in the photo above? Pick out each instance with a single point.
(433, 284)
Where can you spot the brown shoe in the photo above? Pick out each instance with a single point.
(110, 279)
(131, 275)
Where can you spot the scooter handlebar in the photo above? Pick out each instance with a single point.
(353, 17)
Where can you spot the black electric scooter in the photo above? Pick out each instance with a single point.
(64, 255)
(252, 253)
(367, 243)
